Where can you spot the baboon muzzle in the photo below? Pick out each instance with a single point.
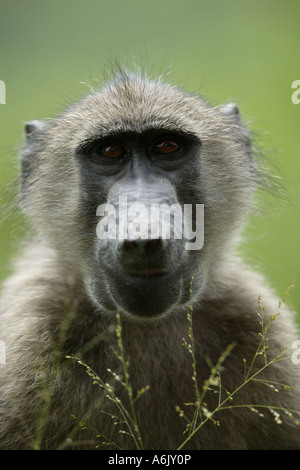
(142, 246)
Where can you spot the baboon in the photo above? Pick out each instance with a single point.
(188, 341)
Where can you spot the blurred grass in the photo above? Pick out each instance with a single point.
(245, 51)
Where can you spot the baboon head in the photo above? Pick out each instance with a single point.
(115, 158)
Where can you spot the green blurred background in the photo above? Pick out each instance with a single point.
(246, 51)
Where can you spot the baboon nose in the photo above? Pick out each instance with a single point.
(142, 247)
(144, 258)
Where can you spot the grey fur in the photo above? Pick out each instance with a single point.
(48, 311)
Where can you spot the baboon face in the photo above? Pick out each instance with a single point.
(95, 177)
(139, 173)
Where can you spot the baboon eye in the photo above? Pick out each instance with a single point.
(113, 151)
(166, 147)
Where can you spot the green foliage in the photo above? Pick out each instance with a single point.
(213, 384)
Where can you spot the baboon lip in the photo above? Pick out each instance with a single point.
(150, 272)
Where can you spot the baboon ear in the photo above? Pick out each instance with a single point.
(33, 129)
(33, 132)
(231, 110)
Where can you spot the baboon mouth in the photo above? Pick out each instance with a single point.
(142, 292)
(147, 273)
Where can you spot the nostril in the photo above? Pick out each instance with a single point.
(144, 258)
(129, 245)
(143, 246)
(153, 246)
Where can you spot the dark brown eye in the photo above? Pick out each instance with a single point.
(166, 147)
(113, 151)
